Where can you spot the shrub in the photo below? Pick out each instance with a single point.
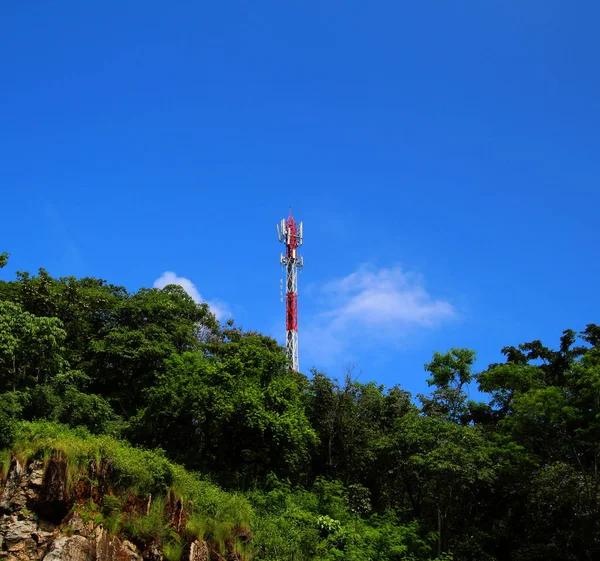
(11, 406)
(172, 550)
(151, 526)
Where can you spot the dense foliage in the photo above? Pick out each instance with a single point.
(323, 469)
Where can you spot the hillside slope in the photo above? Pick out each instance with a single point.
(67, 495)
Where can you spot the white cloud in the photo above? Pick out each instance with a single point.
(372, 307)
(217, 307)
(385, 298)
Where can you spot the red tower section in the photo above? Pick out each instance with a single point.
(291, 304)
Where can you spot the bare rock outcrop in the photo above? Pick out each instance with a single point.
(52, 501)
(195, 551)
(39, 520)
(35, 524)
(22, 538)
(13, 495)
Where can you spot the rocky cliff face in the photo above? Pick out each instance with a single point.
(38, 521)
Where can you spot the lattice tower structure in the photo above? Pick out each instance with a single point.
(290, 233)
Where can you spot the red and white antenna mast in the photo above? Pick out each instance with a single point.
(290, 234)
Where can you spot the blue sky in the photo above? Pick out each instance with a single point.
(444, 157)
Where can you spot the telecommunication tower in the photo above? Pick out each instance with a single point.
(290, 234)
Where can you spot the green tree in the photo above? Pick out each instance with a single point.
(545, 402)
(450, 373)
(234, 409)
(10, 411)
(31, 347)
(441, 467)
(352, 421)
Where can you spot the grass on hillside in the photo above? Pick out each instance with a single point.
(213, 514)
(287, 523)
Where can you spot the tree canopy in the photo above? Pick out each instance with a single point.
(335, 469)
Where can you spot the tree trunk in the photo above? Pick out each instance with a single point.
(439, 528)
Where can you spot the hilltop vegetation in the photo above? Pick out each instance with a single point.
(313, 468)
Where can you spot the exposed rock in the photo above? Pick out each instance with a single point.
(153, 554)
(79, 548)
(13, 497)
(40, 536)
(128, 552)
(106, 546)
(195, 551)
(98, 483)
(33, 489)
(53, 500)
(36, 473)
(76, 525)
(55, 551)
(21, 537)
(174, 511)
(99, 547)
(16, 530)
